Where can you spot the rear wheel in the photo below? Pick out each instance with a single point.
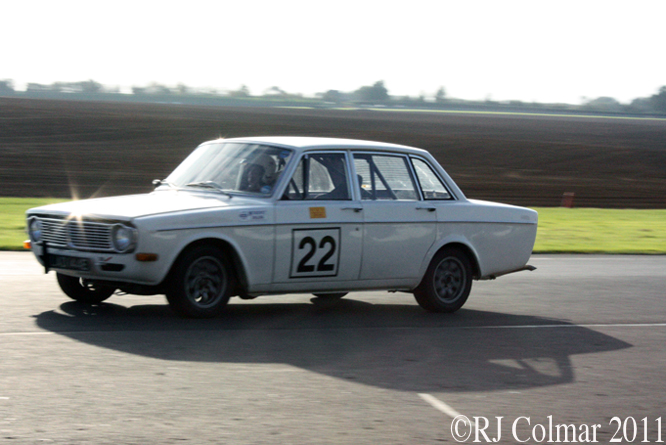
(200, 283)
(447, 282)
(83, 291)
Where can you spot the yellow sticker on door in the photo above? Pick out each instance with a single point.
(317, 212)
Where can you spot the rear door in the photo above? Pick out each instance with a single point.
(399, 227)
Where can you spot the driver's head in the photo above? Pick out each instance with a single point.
(255, 174)
(261, 172)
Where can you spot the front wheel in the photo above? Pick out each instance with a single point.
(83, 291)
(447, 282)
(200, 283)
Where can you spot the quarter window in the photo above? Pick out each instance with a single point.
(431, 186)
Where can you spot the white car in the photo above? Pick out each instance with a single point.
(273, 215)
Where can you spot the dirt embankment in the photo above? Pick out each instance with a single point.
(83, 149)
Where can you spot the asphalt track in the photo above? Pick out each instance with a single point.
(577, 347)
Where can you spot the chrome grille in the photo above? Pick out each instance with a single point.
(54, 232)
(80, 235)
(89, 236)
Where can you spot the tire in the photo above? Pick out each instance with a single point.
(200, 283)
(330, 296)
(447, 282)
(83, 291)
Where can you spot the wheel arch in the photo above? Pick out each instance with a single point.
(228, 249)
(467, 250)
(461, 246)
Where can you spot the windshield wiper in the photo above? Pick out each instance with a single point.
(160, 182)
(209, 185)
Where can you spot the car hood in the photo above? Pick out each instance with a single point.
(135, 206)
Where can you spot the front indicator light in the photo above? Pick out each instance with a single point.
(27, 244)
(146, 257)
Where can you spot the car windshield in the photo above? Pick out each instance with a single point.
(231, 167)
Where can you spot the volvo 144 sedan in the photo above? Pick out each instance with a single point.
(273, 215)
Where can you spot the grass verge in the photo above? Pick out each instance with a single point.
(561, 230)
(12, 220)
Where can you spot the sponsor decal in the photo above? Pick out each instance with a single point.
(253, 215)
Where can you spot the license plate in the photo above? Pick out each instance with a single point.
(69, 263)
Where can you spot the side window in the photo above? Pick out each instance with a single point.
(431, 186)
(384, 177)
(319, 176)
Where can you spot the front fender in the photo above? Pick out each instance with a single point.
(252, 246)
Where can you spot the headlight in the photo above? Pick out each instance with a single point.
(123, 238)
(35, 229)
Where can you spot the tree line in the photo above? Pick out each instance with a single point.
(375, 95)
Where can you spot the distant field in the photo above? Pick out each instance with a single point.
(64, 148)
(515, 113)
(560, 229)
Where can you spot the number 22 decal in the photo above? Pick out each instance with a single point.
(315, 253)
(303, 265)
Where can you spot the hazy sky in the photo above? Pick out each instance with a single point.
(536, 50)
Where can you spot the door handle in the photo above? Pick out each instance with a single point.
(355, 209)
(430, 209)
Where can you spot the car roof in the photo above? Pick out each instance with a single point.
(303, 143)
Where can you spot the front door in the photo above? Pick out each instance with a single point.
(318, 226)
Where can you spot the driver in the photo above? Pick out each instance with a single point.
(260, 175)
